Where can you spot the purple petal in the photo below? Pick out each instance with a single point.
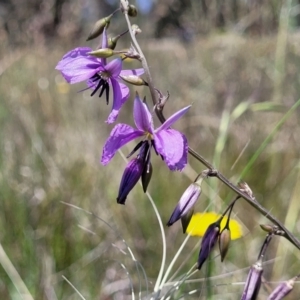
(71, 55)
(173, 119)
(136, 72)
(114, 67)
(173, 147)
(131, 176)
(142, 117)
(78, 66)
(119, 136)
(120, 95)
(208, 242)
(104, 39)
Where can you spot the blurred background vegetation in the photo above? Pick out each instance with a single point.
(236, 61)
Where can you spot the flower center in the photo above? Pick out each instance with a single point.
(101, 81)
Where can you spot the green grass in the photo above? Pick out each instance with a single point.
(51, 140)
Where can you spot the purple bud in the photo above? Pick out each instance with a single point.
(253, 282)
(282, 290)
(208, 242)
(131, 175)
(186, 203)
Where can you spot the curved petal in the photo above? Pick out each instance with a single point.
(136, 72)
(173, 147)
(119, 136)
(120, 95)
(78, 66)
(104, 39)
(171, 120)
(142, 117)
(80, 51)
(114, 67)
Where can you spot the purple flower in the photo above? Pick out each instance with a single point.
(169, 143)
(77, 65)
(208, 242)
(186, 203)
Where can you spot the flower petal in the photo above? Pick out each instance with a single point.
(173, 147)
(119, 136)
(114, 67)
(120, 95)
(77, 65)
(136, 72)
(173, 119)
(142, 117)
(104, 39)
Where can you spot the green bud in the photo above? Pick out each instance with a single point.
(112, 42)
(99, 27)
(132, 11)
(135, 80)
(267, 227)
(102, 53)
(224, 241)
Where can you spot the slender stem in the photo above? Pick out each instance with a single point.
(214, 172)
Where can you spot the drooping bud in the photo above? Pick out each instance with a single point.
(224, 241)
(133, 79)
(185, 220)
(186, 203)
(267, 227)
(99, 27)
(132, 11)
(283, 289)
(102, 53)
(208, 242)
(146, 176)
(112, 41)
(253, 281)
(131, 176)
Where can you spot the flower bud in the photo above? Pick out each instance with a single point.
(132, 11)
(186, 203)
(102, 53)
(267, 227)
(131, 176)
(208, 242)
(99, 27)
(282, 289)
(146, 176)
(133, 79)
(185, 219)
(253, 281)
(224, 241)
(112, 41)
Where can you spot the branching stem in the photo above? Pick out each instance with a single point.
(213, 171)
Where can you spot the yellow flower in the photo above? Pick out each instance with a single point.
(200, 222)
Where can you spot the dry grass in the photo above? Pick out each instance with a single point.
(51, 141)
